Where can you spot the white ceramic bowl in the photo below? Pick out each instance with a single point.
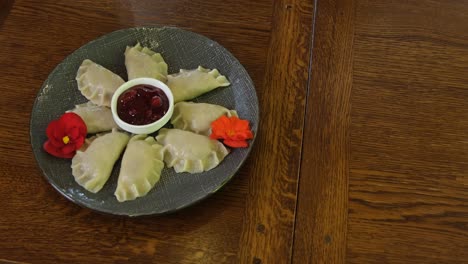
(142, 129)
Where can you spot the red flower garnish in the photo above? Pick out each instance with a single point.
(66, 135)
(232, 130)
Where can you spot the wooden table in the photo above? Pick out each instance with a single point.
(361, 154)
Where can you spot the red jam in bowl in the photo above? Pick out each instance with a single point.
(142, 104)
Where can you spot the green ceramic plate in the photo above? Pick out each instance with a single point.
(182, 50)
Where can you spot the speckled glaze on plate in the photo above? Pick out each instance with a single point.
(181, 50)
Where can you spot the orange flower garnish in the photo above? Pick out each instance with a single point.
(233, 131)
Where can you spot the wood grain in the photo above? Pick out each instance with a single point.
(384, 165)
(320, 233)
(408, 180)
(268, 229)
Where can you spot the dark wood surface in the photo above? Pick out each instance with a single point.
(384, 173)
(321, 222)
(361, 154)
(408, 188)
